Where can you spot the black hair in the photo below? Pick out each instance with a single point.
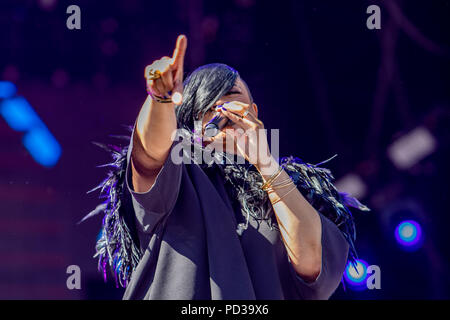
(202, 88)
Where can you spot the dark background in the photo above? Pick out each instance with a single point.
(316, 72)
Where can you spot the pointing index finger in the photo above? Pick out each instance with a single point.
(180, 50)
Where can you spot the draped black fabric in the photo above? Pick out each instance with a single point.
(186, 224)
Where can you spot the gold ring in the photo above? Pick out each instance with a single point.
(154, 74)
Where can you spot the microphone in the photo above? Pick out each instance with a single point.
(216, 124)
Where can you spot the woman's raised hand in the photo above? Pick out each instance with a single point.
(165, 76)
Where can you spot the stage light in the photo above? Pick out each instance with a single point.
(412, 148)
(19, 114)
(356, 275)
(42, 146)
(352, 184)
(7, 89)
(409, 234)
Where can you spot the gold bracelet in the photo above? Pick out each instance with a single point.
(161, 99)
(280, 185)
(284, 195)
(158, 98)
(272, 177)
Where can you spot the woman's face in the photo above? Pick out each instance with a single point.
(238, 93)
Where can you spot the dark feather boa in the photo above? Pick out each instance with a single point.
(118, 248)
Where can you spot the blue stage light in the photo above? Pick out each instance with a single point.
(19, 114)
(356, 275)
(7, 89)
(409, 234)
(42, 146)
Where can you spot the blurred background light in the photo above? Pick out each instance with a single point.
(408, 150)
(7, 89)
(409, 234)
(42, 146)
(356, 275)
(19, 114)
(47, 5)
(352, 184)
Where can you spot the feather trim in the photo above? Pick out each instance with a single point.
(115, 248)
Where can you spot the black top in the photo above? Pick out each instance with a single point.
(186, 226)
